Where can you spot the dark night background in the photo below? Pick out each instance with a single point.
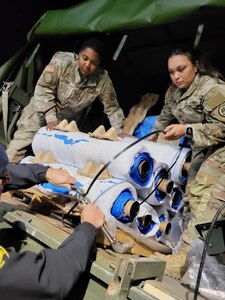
(142, 65)
(18, 17)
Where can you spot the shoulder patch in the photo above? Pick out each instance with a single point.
(48, 77)
(222, 110)
(216, 96)
(216, 103)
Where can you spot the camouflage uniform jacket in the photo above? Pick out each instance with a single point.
(201, 107)
(61, 91)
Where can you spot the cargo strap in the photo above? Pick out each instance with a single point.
(5, 104)
(11, 90)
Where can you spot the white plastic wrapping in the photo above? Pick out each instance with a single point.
(171, 155)
(212, 285)
(104, 193)
(77, 148)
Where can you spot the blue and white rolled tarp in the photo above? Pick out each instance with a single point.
(76, 148)
(111, 196)
(153, 195)
(172, 155)
(115, 197)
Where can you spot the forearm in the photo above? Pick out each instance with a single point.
(50, 274)
(111, 106)
(25, 175)
(206, 135)
(116, 118)
(165, 118)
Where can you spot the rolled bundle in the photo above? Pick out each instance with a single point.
(161, 186)
(76, 148)
(172, 155)
(113, 196)
(147, 220)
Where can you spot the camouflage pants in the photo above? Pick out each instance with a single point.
(28, 124)
(206, 193)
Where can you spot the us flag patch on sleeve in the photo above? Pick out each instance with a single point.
(49, 69)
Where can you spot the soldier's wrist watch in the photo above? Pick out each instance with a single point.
(189, 132)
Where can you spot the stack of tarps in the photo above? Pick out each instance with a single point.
(135, 174)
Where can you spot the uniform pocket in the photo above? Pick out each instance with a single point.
(193, 112)
(86, 97)
(64, 91)
(32, 120)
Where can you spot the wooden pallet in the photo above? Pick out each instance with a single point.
(51, 209)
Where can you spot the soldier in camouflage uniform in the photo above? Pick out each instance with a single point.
(195, 100)
(68, 84)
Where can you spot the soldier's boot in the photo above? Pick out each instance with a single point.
(176, 263)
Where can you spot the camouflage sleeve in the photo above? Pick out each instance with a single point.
(111, 106)
(45, 90)
(213, 131)
(166, 116)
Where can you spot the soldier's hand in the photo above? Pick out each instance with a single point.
(93, 215)
(60, 177)
(174, 131)
(51, 125)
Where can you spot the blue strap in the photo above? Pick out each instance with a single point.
(55, 188)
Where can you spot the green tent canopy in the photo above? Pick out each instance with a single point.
(116, 15)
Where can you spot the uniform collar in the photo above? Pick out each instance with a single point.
(181, 95)
(193, 86)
